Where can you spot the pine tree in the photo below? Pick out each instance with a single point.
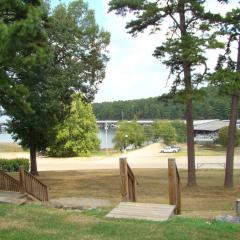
(227, 77)
(187, 39)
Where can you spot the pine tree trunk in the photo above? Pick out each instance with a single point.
(190, 145)
(33, 158)
(231, 142)
(189, 118)
(228, 182)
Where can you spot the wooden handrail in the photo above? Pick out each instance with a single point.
(27, 184)
(174, 184)
(33, 186)
(8, 183)
(128, 182)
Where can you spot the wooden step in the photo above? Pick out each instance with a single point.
(13, 198)
(144, 211)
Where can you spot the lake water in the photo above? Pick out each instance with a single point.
(101, 135)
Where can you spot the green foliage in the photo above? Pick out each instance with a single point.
(148, 132)
(77, 136)
(22, 50)
(180, 128)
(129, 133)
(223, 137)
(165, 131)
(79, 48)
(211, 106)
(226, 73)
(77, 58)
(12, 165)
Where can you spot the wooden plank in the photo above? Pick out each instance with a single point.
(174, 187)
(145, 211)
(124, 179)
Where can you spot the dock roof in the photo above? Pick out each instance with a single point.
(211, 126)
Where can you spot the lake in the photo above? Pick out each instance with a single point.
(101, 135)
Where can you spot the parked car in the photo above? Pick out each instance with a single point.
(170, 149)
(176, 147)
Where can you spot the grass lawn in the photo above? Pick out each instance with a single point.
(199, 205)
(39, 223)
(208, 199)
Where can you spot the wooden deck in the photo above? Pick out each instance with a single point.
(144, 211)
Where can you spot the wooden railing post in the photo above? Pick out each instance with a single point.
(22, 179)
(174, 185)
(124, 179)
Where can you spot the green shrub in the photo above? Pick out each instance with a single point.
(12, 165)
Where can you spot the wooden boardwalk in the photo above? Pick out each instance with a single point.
(144, 211)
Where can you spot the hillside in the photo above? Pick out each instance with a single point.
(210, 106)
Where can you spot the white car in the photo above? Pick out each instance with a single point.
(170, 149)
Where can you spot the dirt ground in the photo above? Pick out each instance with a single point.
(146, 157)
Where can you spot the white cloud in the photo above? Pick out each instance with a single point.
(132, 71)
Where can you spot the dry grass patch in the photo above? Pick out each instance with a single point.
(208, 199)
(10, 147)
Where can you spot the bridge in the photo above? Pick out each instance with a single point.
(113, 123)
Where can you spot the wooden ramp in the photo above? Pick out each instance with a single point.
(144, 211)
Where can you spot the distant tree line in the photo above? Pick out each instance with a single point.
(135, 135)
(211, 106)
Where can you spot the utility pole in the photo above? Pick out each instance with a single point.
(106, 137)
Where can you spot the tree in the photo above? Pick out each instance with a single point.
(183, 51)
(77, 64)
(211, 106)
(148, 133)
(223, 137)
(180, 128)
(164, 130)
(227, 77)
(128, 133)
(22, 41)
(77, 136)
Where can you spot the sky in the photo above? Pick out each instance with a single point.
(132, 72)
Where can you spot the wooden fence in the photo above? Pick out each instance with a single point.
(128, 182)
(8, 183)
(33, 186)
(174, 185)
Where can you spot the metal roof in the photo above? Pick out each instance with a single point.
(211, 126)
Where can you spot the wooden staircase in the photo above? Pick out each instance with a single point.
(26, 185)
(129, 208)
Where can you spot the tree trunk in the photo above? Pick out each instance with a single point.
(33, 158)
(188, 89)
(190, 145)
(228, 182)
(231, 142)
